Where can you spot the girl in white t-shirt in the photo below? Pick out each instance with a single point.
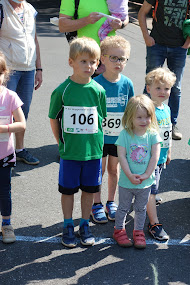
(138, 148)
(10, 107)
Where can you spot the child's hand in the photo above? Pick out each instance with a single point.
(115, 24)
(135, 179)
(168, 157)
(143, 177)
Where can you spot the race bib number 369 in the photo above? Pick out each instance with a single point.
(112, 124)
(80, 120)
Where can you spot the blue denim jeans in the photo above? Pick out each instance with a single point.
(175, 59)
(22, 82)
(5, 191)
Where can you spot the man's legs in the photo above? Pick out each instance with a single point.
(176, 58)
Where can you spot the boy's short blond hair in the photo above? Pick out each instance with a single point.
(115, 42)
(161, 75)
(82, 45)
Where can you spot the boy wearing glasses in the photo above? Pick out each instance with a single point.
(115, 51)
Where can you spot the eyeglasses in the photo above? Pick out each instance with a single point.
(114, 58)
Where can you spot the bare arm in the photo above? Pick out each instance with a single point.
(187, 43)
(18, 125)
(144, 10)
(169, 156)
(67, 24)
(38, 75)
(134, 178)
(55, 128)
(155, 154)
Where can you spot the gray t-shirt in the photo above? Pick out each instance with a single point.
(167, 26)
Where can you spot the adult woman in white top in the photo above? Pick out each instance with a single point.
(19, 43)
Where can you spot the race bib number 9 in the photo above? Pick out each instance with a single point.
(112, 124)
(4, 120)
(166, 135)
(80, 120)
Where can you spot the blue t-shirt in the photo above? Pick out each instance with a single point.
(117, 96)
(163, 116)
(138, 154)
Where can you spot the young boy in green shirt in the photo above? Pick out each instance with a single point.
(77, 109)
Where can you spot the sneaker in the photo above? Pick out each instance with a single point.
(98, 214)
(26, 157)
(86, 237)
(176, 135)
(158, 200)
(157, 232)
(68, 237)
(139, 239)
(8, 234)
(111, 209)
(121, 238)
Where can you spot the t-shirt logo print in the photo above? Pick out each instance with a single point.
(138, 152)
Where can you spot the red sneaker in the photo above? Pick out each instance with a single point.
(139, 239)
(121, 238)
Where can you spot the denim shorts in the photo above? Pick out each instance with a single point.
(158, 171)
(22, 82)
(86, 175)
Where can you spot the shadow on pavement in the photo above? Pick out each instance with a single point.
(51, 263)
(47, 154)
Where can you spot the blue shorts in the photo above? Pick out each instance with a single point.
(86, 175)
(158, 171)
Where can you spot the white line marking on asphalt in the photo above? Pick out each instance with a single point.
(101, 240)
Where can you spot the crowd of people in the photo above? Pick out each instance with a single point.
(98, 123)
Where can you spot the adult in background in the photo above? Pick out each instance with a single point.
(89, 20)
(166, 42)
(19, 43)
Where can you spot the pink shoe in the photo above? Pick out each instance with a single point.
(121, 238)
(139, 239)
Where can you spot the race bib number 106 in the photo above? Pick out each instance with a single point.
(80, 120)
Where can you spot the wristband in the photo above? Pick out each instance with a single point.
(7, 128)
(39, 69)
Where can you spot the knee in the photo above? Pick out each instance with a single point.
(113, 171)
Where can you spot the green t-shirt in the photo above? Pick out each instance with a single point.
(80, 109)
(138, 149)
(84, 9)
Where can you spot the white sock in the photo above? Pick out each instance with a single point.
(19, 150)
